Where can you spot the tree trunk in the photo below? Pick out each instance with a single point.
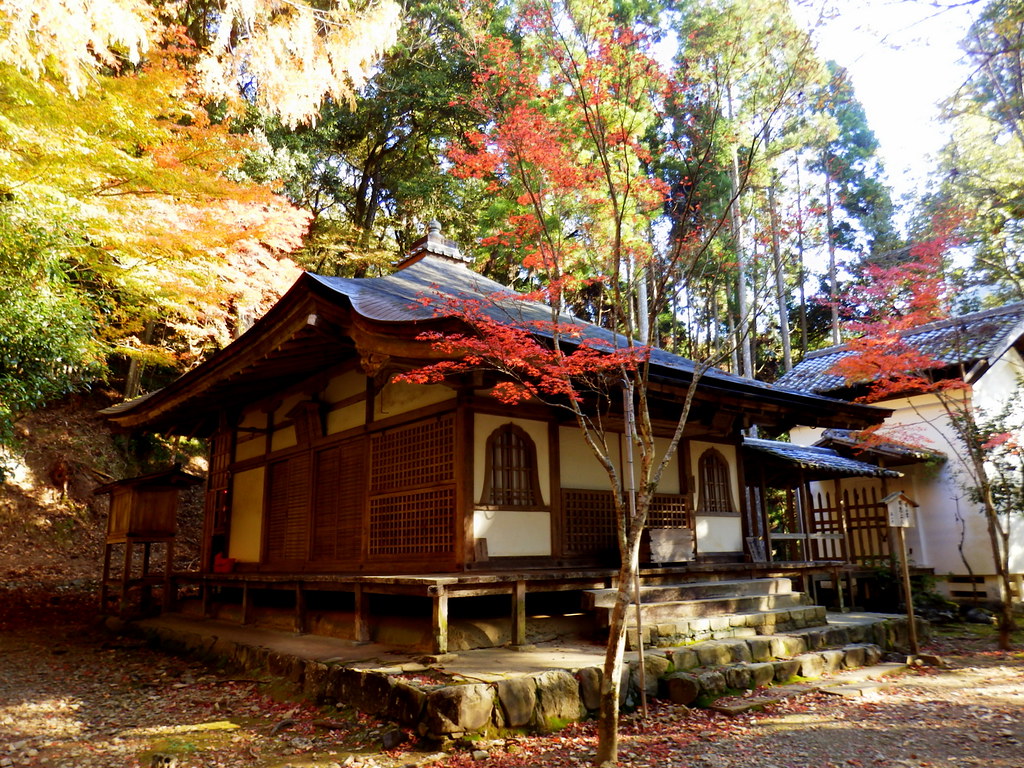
(133, 380)
(780, 283)
(802, 273)
(833, 287)
(1000, 553)
(736, 220)
(611, 679)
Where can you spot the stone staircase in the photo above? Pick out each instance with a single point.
(678, 614)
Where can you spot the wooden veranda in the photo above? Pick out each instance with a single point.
(239, 593)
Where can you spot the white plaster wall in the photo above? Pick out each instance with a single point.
(719, 534)
(249, 444)
(950, 527)
(344, 385)
(999, 386)
(284, 437)
(349, 417)
(1000, 383)
(669, 482)
(581, 469)
(246, 515)
(513, 533)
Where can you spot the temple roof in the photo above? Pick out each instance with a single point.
(973, 341)
(322, 320)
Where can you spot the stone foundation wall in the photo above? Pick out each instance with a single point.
(546, 701)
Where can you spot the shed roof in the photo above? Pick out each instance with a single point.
(892, 452)
(968, 340)
(824, 462)
(175, 477)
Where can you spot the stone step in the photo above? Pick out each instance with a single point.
(669, 633)
(714, 607)
(696, 590)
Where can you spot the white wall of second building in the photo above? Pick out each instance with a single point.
(951, 535)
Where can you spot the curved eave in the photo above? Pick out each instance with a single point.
(311, 329)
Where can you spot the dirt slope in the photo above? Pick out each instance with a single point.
(52, 525)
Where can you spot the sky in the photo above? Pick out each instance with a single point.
(903, 58)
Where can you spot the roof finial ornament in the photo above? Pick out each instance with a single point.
(435, 244)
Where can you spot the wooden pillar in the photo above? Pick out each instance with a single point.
(300, 609)
(806, 523)
(908, 595)
(170, 587)
(361, 628)
(207, 593)
(104, 586)
(146, 590)
(837, 580)
(125, 576)
(844, 529)
(519, 613)
(246, 603)
(439, 620)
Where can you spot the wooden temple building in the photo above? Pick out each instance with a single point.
(349, 502)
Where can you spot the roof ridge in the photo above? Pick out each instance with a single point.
(931, 325)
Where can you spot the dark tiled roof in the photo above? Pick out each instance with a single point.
(962, 340)
(419, 292)
(398, 298)
(816, 458)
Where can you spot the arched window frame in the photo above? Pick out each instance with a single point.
(715, 484)
(511, 480)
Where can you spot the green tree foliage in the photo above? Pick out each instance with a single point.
(289, 54)
(47, 347)
(849, 158)
(371, 173)
(139, 167)
(744, 69)
(983, 166)
(122, 241)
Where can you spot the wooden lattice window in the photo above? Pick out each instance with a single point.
(668, 510)
(590, 519)
(511, 476)
(412, 490)
(589, 522)
(413, 456)
(219, 479)
(715, 488)
(415, 523)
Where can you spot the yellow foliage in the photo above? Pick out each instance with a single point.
(73, 37)
(290, 53)
(138, 163)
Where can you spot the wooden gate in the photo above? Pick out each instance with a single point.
(861, 518)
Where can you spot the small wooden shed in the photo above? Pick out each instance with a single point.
(143, 510)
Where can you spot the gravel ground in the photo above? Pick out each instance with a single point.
(78, 697)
